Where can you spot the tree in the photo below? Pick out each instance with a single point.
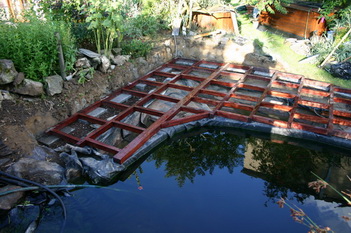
(269, 5)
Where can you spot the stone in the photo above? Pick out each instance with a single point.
(82, 63)
(105, 64)
(8, 72)
(29, 87)
(54, 85)
(5, 95)
(95, 62)
(168, 42)
(97, 112)
(9, 201)
(19, 79)
(89, 53)
(302, 47)
(141, 61)
(120, 60)
(116, 51)
(43, 172)
(48, 140)
(121, 98)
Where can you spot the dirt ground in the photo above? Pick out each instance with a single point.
(23, 119)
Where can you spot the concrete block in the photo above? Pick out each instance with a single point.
(97, 112)
(121, 98)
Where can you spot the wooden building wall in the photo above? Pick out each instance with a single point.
(299, 20)
(216, 20)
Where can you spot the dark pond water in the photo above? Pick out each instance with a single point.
(212, 182)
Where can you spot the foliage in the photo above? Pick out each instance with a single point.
(164, 10)
(329, 7)
(188, 157)
(34, 50)
(143, 25)
(105, 18)
(136, 48)
(82, 34)
(269, 5)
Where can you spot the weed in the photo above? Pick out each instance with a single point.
(34, 50)
(136, 48)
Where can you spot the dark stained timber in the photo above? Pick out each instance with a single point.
(225, 91)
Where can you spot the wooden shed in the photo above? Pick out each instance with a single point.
(302, 19)
(224, 19)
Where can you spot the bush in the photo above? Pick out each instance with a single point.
(143, 25)
(136, 48)
(32, 46)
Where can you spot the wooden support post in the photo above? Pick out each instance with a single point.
(60, 55)
(235, 23)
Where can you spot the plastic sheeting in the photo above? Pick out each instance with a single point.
(101, 169)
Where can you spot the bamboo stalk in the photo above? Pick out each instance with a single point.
(336, 47)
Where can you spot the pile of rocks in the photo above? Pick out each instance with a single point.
(15, 82)
(89, 60)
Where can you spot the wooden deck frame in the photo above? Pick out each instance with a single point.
(335, 121)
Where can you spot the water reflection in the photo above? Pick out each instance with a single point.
(195, 155)
(283, 163)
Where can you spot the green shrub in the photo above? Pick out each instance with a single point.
(143, 25)
(32, 46)
(136, 48)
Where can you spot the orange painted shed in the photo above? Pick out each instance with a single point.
(301, 20)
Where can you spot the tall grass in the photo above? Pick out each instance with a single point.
(32, 46)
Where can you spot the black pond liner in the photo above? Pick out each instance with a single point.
(220, 123)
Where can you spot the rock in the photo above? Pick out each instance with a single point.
(105, 64)
(43, 172)
(8, 72)
(120, 60)
(5, 95)
(29, 87)
(82, 63)
(9, 201)
(95, 62)
(116, 51)
(302, 47)
(141, 61)
(19, 79)
(54, 84)
(89, 53)
(168, 42)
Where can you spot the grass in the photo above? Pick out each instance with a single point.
(274, 44)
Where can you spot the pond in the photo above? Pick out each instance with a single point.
(211, 181)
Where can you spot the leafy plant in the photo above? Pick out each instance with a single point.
(34, 50)
(143, 25)
(269, 5)
(136, 48)
(106, 20)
